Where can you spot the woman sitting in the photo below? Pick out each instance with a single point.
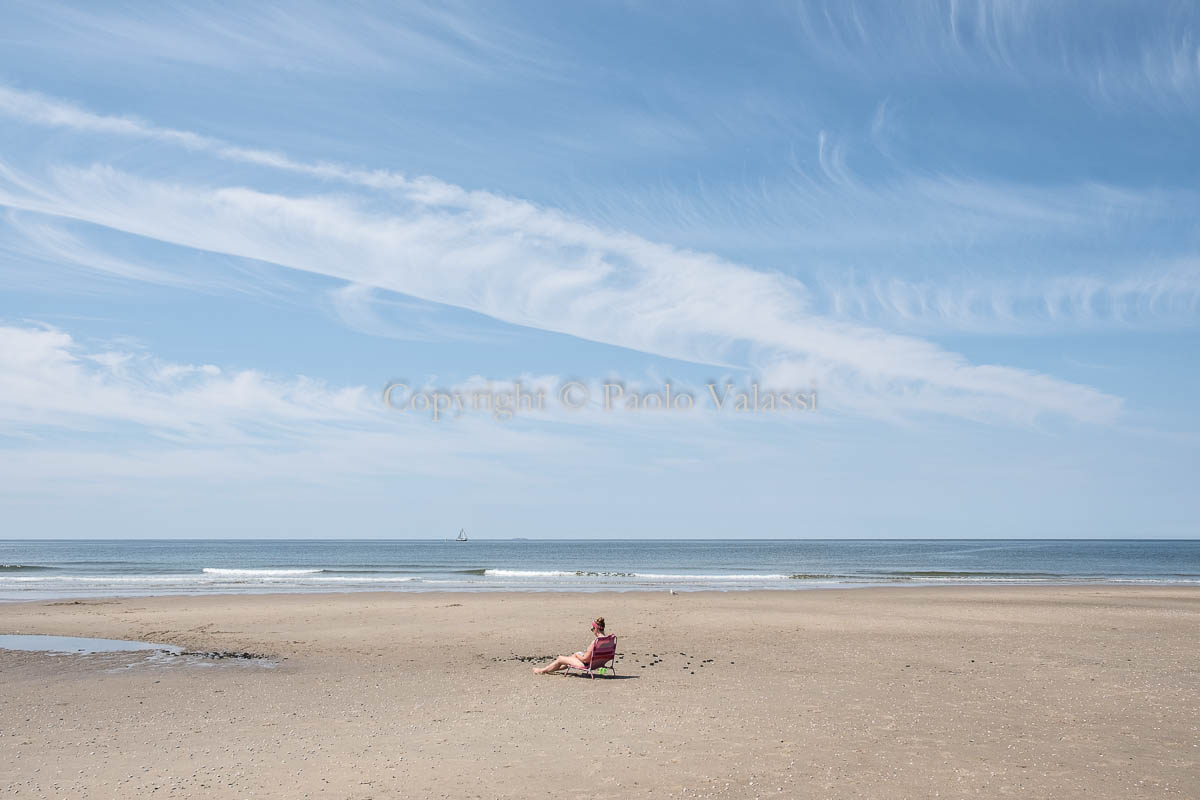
(576, 660)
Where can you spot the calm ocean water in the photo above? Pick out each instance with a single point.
(41, 569)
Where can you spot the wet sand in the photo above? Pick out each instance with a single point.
(889, 692)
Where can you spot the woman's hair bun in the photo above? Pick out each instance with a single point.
(600, 623)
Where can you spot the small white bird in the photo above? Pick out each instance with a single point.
(673, 592)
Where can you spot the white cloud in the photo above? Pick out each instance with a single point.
(1069, 43)
(1157, 297)
(365, 309)
(416, 41)
(63, 403)
(518, 264)
(48, 380)
(526, 265)
(37, 238)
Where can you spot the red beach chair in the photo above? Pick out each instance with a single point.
(604, 658)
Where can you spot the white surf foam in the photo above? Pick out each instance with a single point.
(662, 577)
(259, 572)
(528, 573)
(231, 577)
(652, 576)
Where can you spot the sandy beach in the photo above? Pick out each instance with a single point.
(906, 692)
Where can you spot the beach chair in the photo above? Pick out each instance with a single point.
(604, 658)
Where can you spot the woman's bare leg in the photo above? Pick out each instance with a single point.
(562, 662)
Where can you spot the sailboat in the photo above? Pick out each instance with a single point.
(462, 535)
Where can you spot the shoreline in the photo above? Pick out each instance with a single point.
(606, 590)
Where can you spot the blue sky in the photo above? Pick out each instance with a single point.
(969, 226)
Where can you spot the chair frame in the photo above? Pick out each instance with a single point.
(593, 666)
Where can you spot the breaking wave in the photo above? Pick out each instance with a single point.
(265, 573)
(653, 576)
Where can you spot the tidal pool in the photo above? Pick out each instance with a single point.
(76, 645)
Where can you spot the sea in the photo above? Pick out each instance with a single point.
(34, 570)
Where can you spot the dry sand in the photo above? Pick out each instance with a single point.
(879, 693)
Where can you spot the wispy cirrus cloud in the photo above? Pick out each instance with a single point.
(365, 309)
(417, 41)
(1154, 58)
(827, 206)
(825, 216)
(1160, 297)
(37, 240)
(526, 265)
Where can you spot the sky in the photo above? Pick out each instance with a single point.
(960, 237)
